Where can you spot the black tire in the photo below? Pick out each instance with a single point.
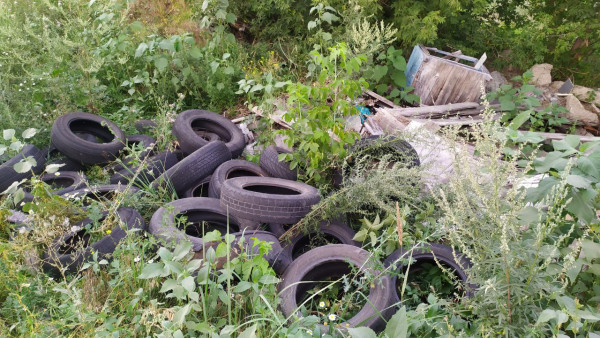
(200, 189)
(99, 193)
(269, 161)
(8, 175)
(66, 180)
(195, 167)
(71, 250)
(189, 122)
(208, 136)
(276, 258)
(87, 137)
(64, 138)
(232, 169)
(145, 141)
(268, 199)
(331, 232)
(155, 166)
(333, 261)
(143, 126)
(429, 253)
(53, 156)
(198, 210)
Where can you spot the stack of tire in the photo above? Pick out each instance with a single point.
(215, 191)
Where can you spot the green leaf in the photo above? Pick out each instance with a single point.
(195, 52)
(579, 182)
(188, 283)
(379, 72)
(399, 79)
(152, 270)
(242, 286)
(29, 133)
(52, 168)
(361, 332)
(249, 332)
(329, 17)
(546, 316)
(168, 285)
(23, 166)
(360, 236)
(397, 326)
(312, 24)
(167, 44)
(268, 279)
(179, 316)
(590, 249)
(582, 204)
(518, 121)
(399, 62)
(506, 103)
(140, 50)
(161, 64)
(8, 134)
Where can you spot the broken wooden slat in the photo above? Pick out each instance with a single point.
(435, 110)
(479, 63)
(561, 136)
(381, 99)
(460, 56)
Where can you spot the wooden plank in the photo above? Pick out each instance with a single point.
(463, 121)
(428, 110)
(382, 99)
(561, 136)
(462, 57)
(479, 63)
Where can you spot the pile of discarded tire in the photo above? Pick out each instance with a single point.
(214, 191)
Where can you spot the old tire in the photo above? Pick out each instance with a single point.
(232, 169)
(430, 253)
(193, 168)
(332, 232)
(64, 138)
(143, 126)
(145, 141)
(269, 161)
(197, 210)
(67, 181)
(71, 250)
(53, 156)
(154, 167)
(268, 199)
(333, 261)
(8, 175)
(200, 189)
(189, 122)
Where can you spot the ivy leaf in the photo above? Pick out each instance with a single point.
(24, 166)
(8, 134)
(29, 133)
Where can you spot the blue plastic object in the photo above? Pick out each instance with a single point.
(364, 111)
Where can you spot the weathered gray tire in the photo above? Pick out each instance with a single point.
(232, 169)
(333, 261)
(268, 199)
(269, 161)
(87, 152)
(66, 180)
(190, 122)
(194, 168)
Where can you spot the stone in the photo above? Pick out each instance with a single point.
(541, 74)
(586, 94)
(578, 113)
(497, 80)
(555, 86)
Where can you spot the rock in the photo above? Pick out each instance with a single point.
(586, 94)
(578, 113)
(555, 86)
(541, 75)
(497, 80)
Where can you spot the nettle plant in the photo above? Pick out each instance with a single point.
(521, 106)
(318, 112)
(388, 73)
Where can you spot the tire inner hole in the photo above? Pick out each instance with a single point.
(99, 131)
(240, 173)
(270, 189)
(209, 127)
(311, 241)
(424, 276)
(338, 296)
(201, 190)
(202, 222)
